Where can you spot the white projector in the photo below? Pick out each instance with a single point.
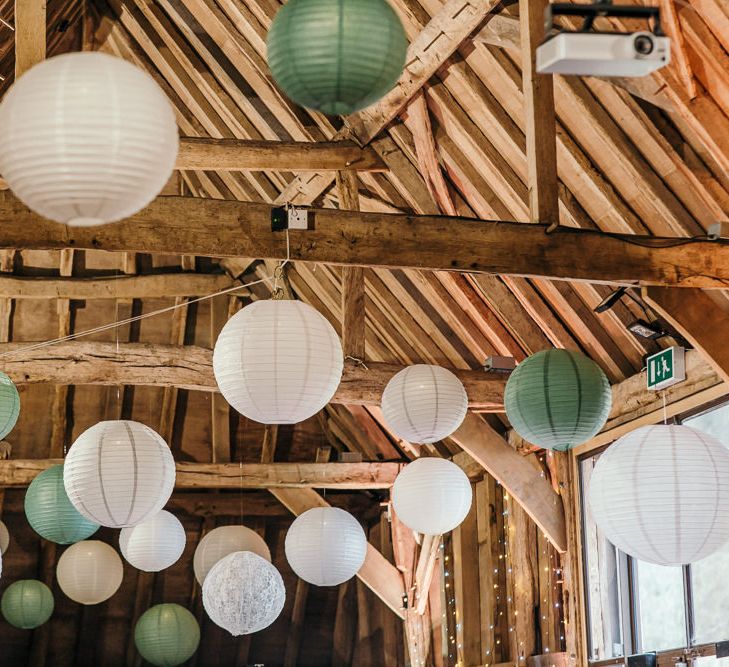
(603, 54)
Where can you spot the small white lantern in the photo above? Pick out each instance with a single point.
(154, 544)
(243, 593)
(326, 546)
(225, 540)
(89, 572)
(86, 138)
(661, 494)
(431, 496)
(424, 404)
(278, 361)
(4, 538)
(119, 473)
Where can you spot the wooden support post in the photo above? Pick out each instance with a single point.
(30, 34)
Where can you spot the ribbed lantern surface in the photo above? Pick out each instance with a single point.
(424, 403)
(557, 399)
(167, 635)
(278, 361)
(154, 544)
(89, 572)
(27, 604)
(86, 138)
(4, 538)
(326, 546)
(431, 496)
(225, 540)
(243, 593)
(661, 494)
(9, 404)
(336, 56)
(50, 512)
(119, 473)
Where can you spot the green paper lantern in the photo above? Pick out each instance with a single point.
(9, 405)
(336, 56)
(167, 635)
(50, 512)
(557, 399)
(27, 603)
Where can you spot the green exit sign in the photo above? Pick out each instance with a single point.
(666, 368)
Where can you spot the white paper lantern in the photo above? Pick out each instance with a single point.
(225, 540)
(243, 593)
(119, 473)
(278, 361)
(89, 572)
(661, 494)
(431, 496)
(86, 138)
(326, 546)
(424, 403)
(154, 544)
(4, 538)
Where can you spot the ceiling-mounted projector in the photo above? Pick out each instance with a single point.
(587, 53)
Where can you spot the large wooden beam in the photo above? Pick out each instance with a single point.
(30, 34)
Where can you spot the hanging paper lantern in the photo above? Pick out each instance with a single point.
(243, 593)
(119, 473)
(89, 572)
(326, 546)
(9, 401)
(50, 512)
(154, 544)
(225, 540)
(424, 403)
(431, 496)
(336, 56)
(27, 603)
(86, 138)
(661, 494)
(4, 538)
(557, 399)
(167, 635)
(278, 361)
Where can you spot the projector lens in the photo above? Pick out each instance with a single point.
(643, 45)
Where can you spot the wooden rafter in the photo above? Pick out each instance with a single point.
(30, 34)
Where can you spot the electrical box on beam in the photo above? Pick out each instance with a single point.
(666, 368)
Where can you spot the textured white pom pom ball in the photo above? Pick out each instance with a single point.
(278, 361)
(326, 546)
(661, 494)
(154, 544)
(431, 496)
(424, 403)
(89, 572)
(225, 540)
(86, 138)
(243, 593)
(119, 473)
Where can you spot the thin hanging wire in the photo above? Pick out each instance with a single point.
(665, 411)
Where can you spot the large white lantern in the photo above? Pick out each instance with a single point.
(326, 546)
(431, 496)
(424, 403)
(661, 494)
(154, 544)
(4, 538)
(225, 540)
(89, 572)
(278, 361)
(119, 473)
(243, 593)
(86, 138)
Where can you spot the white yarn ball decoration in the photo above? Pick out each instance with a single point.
(119, 473)
(243, 593)
(661, 494)
(225, 540)
(431, 496)
(154, 544)
(89, 572)
(86, 138)
(4, 538)
(278, 361)
(424, 403)
(326, 546)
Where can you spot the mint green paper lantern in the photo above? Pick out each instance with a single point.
(27, 603)
(557, 399)
(9, 405)
(336, 56)
(167, 635)
(50, 512)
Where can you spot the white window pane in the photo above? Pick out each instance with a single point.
(711, 661)
(711, 597)
(661, 606)
(714, 422)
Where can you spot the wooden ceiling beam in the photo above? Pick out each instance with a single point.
(30, 34)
